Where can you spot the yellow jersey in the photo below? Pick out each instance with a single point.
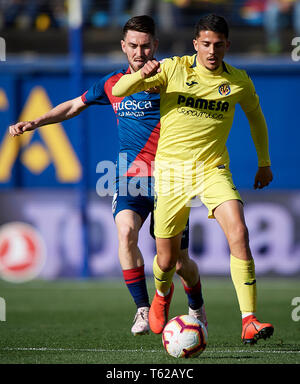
(197, 109)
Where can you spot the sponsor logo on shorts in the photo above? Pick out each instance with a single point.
(114, 203)
(155, 201)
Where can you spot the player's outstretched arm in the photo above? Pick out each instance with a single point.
(259, 132)
(139, 81)
(61, 112)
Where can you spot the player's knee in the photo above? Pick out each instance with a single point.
(166, 261)
(179, 267)
(128, 235)
(239, 234)
(183, 263)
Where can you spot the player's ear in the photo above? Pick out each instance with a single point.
(123, 46)
(195, 42)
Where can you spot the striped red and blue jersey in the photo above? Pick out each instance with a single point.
(138, 119)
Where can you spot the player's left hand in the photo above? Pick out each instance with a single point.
(263, 177)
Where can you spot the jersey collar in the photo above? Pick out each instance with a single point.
(225, 69)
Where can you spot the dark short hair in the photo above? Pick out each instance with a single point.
(142, 23)
(212, 23)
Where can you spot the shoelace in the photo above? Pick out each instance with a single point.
(200, 315)
(140, 314)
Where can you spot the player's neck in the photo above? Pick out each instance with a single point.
(207, 71)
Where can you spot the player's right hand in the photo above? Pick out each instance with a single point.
(151, 68)
(21, 127)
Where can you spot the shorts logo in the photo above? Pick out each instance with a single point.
(114, 203)
(155, 201)
(224, 89)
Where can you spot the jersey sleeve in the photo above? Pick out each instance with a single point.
(250, 100)
(258, 127)
(259, 133)
(134, 83)
(96, 93)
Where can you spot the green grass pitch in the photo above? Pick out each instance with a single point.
(89, 321)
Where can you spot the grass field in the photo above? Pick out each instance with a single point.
(88, 322)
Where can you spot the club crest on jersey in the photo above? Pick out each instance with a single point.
(224, 89)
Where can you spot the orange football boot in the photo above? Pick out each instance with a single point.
(159, 311)
(253, 330)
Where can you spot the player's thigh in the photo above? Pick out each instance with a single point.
(131, 211)
(171, 215)
(230, 216)
(185, 237)
(218, 188)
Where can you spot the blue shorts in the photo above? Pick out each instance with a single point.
(126, 197)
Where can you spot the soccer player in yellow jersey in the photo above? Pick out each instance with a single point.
(198, 98)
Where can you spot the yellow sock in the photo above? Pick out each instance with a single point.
(162, 280)
(243, 278)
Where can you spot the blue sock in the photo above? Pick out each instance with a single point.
(136, 283)
(194, 294)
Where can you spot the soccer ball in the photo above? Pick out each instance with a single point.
(184, 336)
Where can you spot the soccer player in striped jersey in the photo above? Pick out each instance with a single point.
(139, 128)
(198, 98)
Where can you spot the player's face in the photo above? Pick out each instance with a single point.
(211, 48)
(139, 47)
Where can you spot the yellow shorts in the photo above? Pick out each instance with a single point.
(171, 210)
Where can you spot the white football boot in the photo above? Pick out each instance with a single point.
(141, 322)
(200, 314)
